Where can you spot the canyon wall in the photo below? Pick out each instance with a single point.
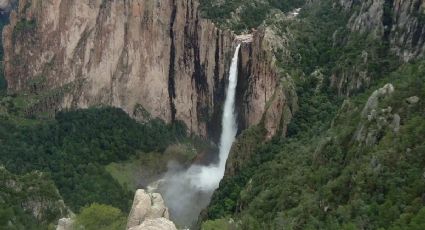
(399, 22)
(152, 58)
(396, 27)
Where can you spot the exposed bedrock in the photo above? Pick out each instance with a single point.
(142, 56)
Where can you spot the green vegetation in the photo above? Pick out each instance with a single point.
(23, 26)
(249, 14)
(30, 201)
(321, 176)
(144, 168)
(76, 146)
(98, 216)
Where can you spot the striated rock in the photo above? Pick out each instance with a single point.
(398, 25)
(245, 38)
(373, 101)
(149, 212)
(151, 58)
(400, 22)
(141, 206)
(375, 120)
(396, 123)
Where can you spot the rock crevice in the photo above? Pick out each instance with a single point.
(157, 55)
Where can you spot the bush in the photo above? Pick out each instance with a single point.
(99, 216)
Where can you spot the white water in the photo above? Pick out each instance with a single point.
(187, 192)
(209, 177)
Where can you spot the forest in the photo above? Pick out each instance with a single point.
(321, 176)
(74, 148)
(337, 167)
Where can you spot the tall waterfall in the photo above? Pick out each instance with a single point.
(210, 176)
(187, 192)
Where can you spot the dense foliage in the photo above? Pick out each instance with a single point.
(249, 14)
(329, 180)
(321, 176)
(75, 147)
(22, 196)
(99, 216)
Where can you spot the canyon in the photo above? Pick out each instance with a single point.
(153, 59)
(328, 105)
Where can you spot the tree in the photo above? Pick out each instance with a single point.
(100, 216)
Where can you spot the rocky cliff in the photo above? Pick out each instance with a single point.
(151, 58)
(394, 27)
(149, 212)
(399, 22)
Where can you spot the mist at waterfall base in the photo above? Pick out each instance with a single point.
(188, 191)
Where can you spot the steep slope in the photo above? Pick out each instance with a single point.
(29, 201)
(141, 56)
(350, 160)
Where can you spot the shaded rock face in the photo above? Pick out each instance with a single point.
(156, 55)
(6, 4)
(398, 24)
(149, 212)
(376, 120)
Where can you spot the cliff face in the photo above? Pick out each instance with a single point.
(400, 22)
(398, 26)
(149, 56)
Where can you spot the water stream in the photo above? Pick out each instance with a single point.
(187, 192)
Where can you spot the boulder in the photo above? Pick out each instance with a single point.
(149, 212)
(156, 224)
(141, 207)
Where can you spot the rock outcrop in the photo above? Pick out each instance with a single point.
(149, 212)
(400, 22)
(34, 193)
(396, 27)
(375, 119)
(65, 224)
(158, 56)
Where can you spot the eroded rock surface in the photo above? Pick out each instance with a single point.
(149, 212)
(397, 25)
(155, 56)
(375, 120)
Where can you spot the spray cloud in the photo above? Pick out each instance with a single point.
(187, 192)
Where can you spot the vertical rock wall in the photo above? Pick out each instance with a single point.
(139, 55)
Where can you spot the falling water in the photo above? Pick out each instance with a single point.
(189, 191)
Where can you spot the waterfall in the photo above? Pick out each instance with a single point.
(187, 192)
(229, 126)
(209, 177)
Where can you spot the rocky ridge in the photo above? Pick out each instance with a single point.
(396, 27)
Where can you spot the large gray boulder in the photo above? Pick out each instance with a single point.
(149, 212)
(156, 224)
